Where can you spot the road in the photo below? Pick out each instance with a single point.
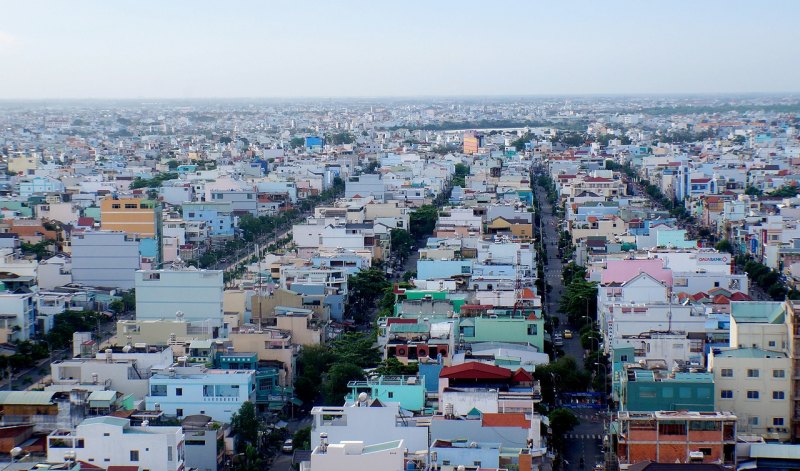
(587, 438)
(283, 461)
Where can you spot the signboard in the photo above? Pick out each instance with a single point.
(714, 259)
(753, 245)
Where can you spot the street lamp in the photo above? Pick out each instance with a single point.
(605, 381)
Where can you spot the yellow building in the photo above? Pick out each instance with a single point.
(132, 216)
(22, 163)
(472, 142)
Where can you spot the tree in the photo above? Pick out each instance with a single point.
(312, 362)
(249, 460)
(296, 142)
(334, 387)
(560, 376)
(786, 191)
(579, 299)
(364, 289)
(393, 367)
(302, 439)
(753, 191)
(245, 425)
(423, 220)
(402, 243)
(562, 421)
(724, 246)
(172, 164)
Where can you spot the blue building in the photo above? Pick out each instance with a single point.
(218, 216)
(314, 143)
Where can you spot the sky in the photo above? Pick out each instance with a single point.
(350, 48)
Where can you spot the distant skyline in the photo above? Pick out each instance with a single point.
(183, 49)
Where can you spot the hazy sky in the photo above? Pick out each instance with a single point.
(230, 48)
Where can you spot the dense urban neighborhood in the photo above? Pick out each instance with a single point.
(521, 284)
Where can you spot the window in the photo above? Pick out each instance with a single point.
(134, 455)
(476, 463)
(778, 421)
(179, 412)
(623, 358)
(169, 453)
(778, 395)
(726, 394)
(753, 421)
(151, 276)
(705, 451)
(726, 373)
(445, 462)
(752, 394)
(391, 394)
(752, 373)
(106, 434)
(115, 206)
(771, 343)
(532, 329)
(158, 390)
(179, 391)
(778, 373)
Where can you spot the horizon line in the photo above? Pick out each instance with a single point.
(421, 96)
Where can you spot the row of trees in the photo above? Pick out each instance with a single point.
(766, 278)
(459, 177)
(154, 182)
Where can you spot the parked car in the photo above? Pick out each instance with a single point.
(558, 341)
(567, 334)
(288, 446)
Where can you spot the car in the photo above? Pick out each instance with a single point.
(558, 341)
(567, 334)
(288, 446)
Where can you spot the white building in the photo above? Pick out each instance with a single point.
(160, 294)
(104, 258)
(755, 384)
(183, 391)
(112, 441)
(350, 455)
(378, 422)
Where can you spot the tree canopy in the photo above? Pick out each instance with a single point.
(423, 220)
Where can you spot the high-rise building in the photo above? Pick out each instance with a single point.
(472, 142)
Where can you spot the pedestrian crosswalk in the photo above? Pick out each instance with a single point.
(584, 436)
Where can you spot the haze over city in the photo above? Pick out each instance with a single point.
(204, 49)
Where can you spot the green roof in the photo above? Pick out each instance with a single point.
(409, 328)
(102, 396)
(31, 398)
(749, 353)
(381, 447)
(758, 312)
(108, 420)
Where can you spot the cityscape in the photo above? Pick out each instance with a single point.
(317, 262)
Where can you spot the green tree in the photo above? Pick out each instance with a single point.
(562, 375)
(334, 386)
(579, 299)
(402, 243)
(423, 220)
(296, 142)
(753, 191)
(249, 460)
(245, 425)
(724, 245)
(393, 367)
(365, 287)
(302, 439)
(172, 164)
(562, 421)
(312, 362)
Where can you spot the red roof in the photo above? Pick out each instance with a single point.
(515, 419)
(85, 221)
(522, 376)
(475, 370)
(701, 180)
(739, 296)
